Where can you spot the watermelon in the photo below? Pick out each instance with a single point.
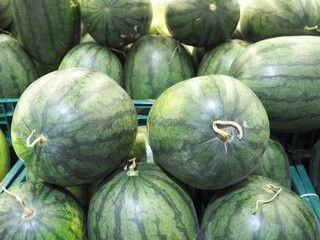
(82, 127)
(5, 14)
(17, 70)
(142, 204)
(49, 213)
(202, 23)
(116, 23)
(262, 19)
(141, 149)
(5, 160)
(209, 132)
(237, 214)
(284, 74)
(47, 29)
(94, 56)
(219, 59)
(314, 167)
(154, 63)
(275, 164)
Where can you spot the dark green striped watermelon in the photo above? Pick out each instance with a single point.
(284, 74)
(116, 23)
(209, 132)
(17, 70)
(230, 216)
(94, 56)
(262, 19)
(5, 14)
(48, 29)
(202, 23)
(5, 160)
(219, 59)
(314, 167)
(155, 63)
(53, 214)
(73, 126)
(144, 204)
(275, 164)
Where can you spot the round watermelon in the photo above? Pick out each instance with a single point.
(155, 63)
(94, 56)
(5, 160)
(202, 23)
(143, 203)
(219, 59)
(116, 23)
(280, 213)
(73, 126)
(17, 70)
(209, 132)
(48, 213)
(275, 164)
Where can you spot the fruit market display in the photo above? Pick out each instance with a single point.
(234, 87)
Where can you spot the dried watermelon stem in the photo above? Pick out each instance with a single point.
(27, 212)
(131, 171)
(312, 28)
(39, 140)
(268, 188)
(224, 135)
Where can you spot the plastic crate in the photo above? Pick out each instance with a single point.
(301, 183)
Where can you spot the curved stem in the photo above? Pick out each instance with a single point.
(225, 135)
(131, 171)
(40, 140)
(6, 32)
(311, 28)
(268, 188)
(27, 212)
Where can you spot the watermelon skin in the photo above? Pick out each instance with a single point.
(17, 70)
(88, 120)
(5, 14)
(229, 216)
(94, 56)
(314, 167)
(283, 73)
(155, 63)
(184, 143)
(148, 205)
(273, 18)
(275, 164)
(56, 214)
(5, 160)
(47, 29)
(116, 23)
(202, 23)
(219, 59)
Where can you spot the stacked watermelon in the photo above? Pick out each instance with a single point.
(212, 171)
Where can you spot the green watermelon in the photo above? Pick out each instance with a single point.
(202, 23)
(209, 132)
(275, 164)
(94, 56)
(5, 14)
(47, 29)
(154, 63)
(116, 23)
(17, 70)
(50, 213)
(141, 149)
(314, 167)
(5, 160)
(284, 74)
(142, 204)
(81, 128)
(262, 19)
(219, 59)
(233, 214)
